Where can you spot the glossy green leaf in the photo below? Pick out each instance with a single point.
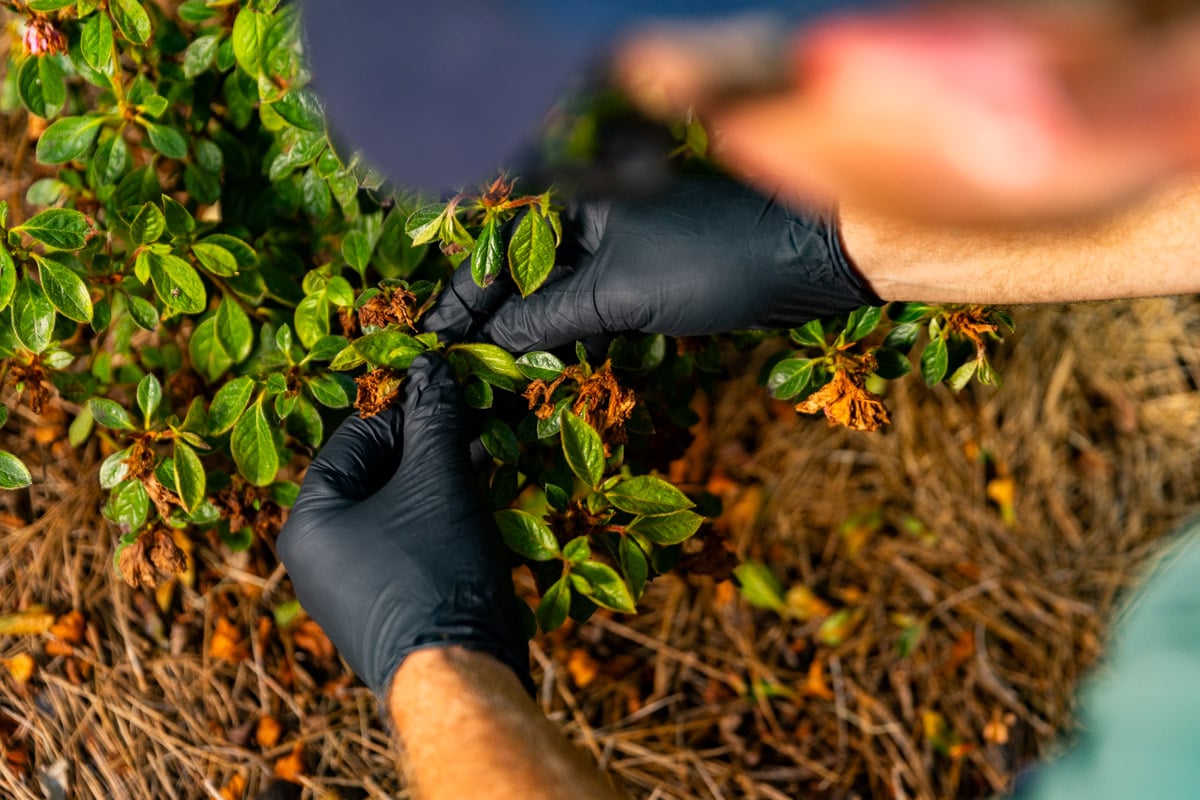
(790, 377)
(167, 140)
(180, 222)
(602, 585)
(326, 348)
(909, 312)
(111, 414)
(540, 365)
(40, 85)
(492, 358)
(128, 505)
(424, 224)
(487, 259)
(891, 364)
(633, 565)
(114, 469)
(329, 391)
(934, 361)
(478, 394)
(356, 249)
(58, 228)
(577, 550)
(13, 474)
(247, 39)
(555, 604)
(389, 348)
(8, 277)
(667, 528)
(228, 404)
(96, 42)
(143, 313)
(149, 395)
(208, 355)
(189, 476)
(65, 290)
(862, 321)
(811, 334)
(32, 315)
(216, 259)
(531, 252)
(132, 20)
(312, 319)
(110, 159)
(583, 449)
(646, 494)
(254, 447)
(526, 535)
(200, 55)
(177, 283)
(302, 108)
(68, 139)
(902, 337)
(500, 441)
(962, 376)
(148, 225)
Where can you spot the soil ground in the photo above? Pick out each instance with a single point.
(973, 555)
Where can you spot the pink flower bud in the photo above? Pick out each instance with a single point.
(42, 38)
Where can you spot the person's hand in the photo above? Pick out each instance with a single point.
(708, 256)
(390, 548)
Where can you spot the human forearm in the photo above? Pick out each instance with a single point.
(470, 730)
(1149, 249)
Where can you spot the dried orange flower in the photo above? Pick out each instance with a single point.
(396, 305)
(846, 401)
(141, 561)
(32, 380)
(602, 402)
(378, 390)
(973, 324)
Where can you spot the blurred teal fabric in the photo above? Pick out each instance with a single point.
(1140, 711)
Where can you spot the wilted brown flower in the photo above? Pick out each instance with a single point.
(602, 402)
(605, 405)
(243, 504)
(396, 305)
(153, 551)
(846, 401)
(378, 390)
(540, 392)
(31, 378)
(973, 323)
(43, 39)
(497, 192)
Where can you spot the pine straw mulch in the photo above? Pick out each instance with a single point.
(1093, 439)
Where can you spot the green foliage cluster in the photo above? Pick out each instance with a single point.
(210, 284)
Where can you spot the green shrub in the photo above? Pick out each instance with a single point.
(213, 284)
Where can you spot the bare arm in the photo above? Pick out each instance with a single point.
(470, 730)
(1148, 249)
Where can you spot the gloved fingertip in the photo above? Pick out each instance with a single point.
(430, 384)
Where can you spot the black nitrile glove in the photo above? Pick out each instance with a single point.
(710, 255)
(389, 546)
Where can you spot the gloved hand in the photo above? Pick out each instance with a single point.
(710, 255)
(390, 548)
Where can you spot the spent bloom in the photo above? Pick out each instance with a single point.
(42, 38)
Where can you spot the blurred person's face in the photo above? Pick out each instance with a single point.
(972, 115)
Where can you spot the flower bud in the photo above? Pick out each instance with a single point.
(42, 38)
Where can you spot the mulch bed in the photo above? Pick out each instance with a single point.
(975, 552)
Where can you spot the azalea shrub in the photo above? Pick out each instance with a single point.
(207, 284)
